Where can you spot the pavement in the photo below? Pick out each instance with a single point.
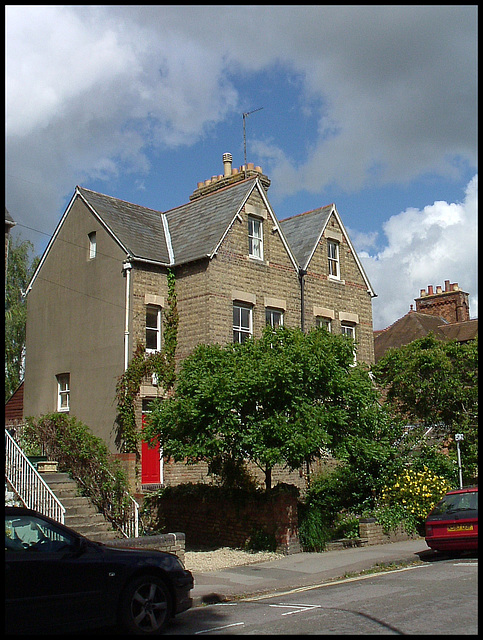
(301, 570)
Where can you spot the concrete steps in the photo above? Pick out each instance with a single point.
(80, 513)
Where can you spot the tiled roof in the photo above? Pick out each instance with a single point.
(410, 327)
(461, 331)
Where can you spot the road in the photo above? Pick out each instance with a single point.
(432, 598)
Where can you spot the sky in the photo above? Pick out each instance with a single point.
(373, 108)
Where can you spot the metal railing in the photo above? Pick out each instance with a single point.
(126, 520)
(28, 484)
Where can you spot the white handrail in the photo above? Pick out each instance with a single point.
(27, 482)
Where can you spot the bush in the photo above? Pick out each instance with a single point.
(410, 498)
(314, 530)
(260, 540)
(85, 456)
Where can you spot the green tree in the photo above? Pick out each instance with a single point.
(279, 399)
(431, 383)
(20, 268)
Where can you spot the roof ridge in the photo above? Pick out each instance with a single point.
(106, 195)
(297, 215)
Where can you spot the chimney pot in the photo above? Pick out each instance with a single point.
(227, 160)
(439, 289)
(422, 293)
(430, 289)
(446, 285)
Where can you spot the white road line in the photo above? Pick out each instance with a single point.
(235, 624)
(333, 582)
(299, 608)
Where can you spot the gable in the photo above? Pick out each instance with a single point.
(305, 231)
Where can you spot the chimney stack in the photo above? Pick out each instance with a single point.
(227, 160)
(452, 304)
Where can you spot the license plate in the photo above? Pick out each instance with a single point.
(461, 527)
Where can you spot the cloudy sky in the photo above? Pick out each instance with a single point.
(372, 108)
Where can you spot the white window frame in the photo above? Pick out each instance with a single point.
(349, 329)
(156, 330)
(255, 238)
(333, 258)
(271, 317)
(92, 245)
(63, 392)
(322, 322)
(242, 331)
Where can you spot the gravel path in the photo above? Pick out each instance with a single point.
(223, 558)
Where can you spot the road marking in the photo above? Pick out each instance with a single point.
(299, 608)
(235, 624)
(333, 582)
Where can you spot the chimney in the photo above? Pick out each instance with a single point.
(227, 160)
(231, 176)
(451, 304)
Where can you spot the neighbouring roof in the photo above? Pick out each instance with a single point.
(8, 219)
(461, 331)
(416, 325)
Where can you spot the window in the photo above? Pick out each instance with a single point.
(92, 245)
(28, 533)
(349, 330)
(323, 323)
(255, 238)
(153, 328)
(63, 392)
(333, 252)
(242, 322)
(274, 318)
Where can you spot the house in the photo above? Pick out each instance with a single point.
(445, 313)
(101, 289)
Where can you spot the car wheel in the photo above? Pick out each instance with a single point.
(145, 605)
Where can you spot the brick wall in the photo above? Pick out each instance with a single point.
(223, 522)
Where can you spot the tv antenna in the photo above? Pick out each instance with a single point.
(247, 113)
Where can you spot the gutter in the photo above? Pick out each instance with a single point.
(302, 273)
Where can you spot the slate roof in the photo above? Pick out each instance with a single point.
(186, 233)
(303, 232)
(138, 229)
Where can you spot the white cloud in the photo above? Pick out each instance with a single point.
(424, 247)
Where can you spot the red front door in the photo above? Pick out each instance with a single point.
(150, 462)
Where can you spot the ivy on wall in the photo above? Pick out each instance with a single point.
(161, 364)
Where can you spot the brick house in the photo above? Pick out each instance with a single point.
(444, 312)
(101, 289)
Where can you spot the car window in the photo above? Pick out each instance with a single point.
(457, 502)
(31, 534)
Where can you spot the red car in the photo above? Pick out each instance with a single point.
(453, 523)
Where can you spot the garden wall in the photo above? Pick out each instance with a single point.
(372, 531)
(170, 542)
(219, 521)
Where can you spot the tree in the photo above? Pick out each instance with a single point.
(280, 399)
(432, 383)
(20, 268)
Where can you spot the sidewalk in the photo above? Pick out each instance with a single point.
(299, 570)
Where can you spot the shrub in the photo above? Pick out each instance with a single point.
(314, 530)
(85, 456)
(410, 498)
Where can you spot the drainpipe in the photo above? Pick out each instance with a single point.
(302, 274)
(126, 267)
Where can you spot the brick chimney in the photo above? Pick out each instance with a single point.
(451, 303)
(230, 176)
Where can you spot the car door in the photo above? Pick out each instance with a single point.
(53, 578)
